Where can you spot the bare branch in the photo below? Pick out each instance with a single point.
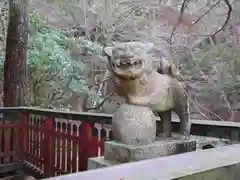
(183, 7)
(99, 105)
(213, 6)
(223, 95)
(69, 81)
(54, 95)
(47, 78)
(228, 17)
(198, 104)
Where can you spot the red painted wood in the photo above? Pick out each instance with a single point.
(58, 149)
(25, 135)
(9, 152)
(16, 145)
(37, 159)
(1, 143)
(30, 132)
(10, 126)
(34, 142)
(87, 130)
(74, 153)
(41, 157)
(80, 156)
(7, 144)
(85, 145)
(68, 154)
(63, 150)
(49, 145)
(38, 145)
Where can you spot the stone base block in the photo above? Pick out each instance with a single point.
(99, 162)
(122, 153)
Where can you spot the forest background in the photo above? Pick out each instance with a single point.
(60, 62)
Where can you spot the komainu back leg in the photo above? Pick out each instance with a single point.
(183, 113)
(165, 125)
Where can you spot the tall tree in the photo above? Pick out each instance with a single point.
(15, 65)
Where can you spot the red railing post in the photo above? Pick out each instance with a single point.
(25, 137)
(87, 131)
(49, 154)
(85, 145)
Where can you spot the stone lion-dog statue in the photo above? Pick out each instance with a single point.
(135, 80)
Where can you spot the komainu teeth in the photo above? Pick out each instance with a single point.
(129, 63)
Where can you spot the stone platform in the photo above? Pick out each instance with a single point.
(118, 152)
(99, 162)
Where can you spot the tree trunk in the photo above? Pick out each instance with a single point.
(15, 65)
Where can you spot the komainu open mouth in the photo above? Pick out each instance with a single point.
(126, 64)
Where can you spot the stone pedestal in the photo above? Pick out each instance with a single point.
(118, 152)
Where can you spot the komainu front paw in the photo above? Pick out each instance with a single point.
(184, 136)
(165, 135)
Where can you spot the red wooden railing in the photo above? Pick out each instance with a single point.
(10, 150)
(59, 147)
(53, 146)
(57, 142)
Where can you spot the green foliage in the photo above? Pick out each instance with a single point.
(54, 75)
(51, 64)
(219, 68)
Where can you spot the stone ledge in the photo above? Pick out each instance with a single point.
(118, 152)
(213, 164)
(100, 162)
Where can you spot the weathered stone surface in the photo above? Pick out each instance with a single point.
(134, 79)
(213, 164)
(134, 125)
(114, 151)
(100, 162)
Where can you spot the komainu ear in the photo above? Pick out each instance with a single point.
(148, 47)
(108, 51)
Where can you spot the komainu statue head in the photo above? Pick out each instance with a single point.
(129, 60)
